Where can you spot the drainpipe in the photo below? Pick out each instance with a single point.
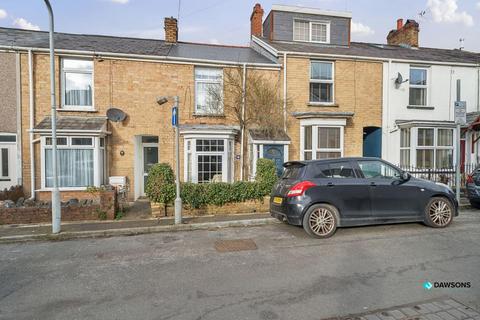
(242, 128)
(31, 123)
(285, 91)
(387, 151)
(19, 119)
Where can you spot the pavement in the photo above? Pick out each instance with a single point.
(273, 271)
(128, 227)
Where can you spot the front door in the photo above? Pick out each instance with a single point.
(275, 152)
(372, 142)
(149, 157)
(8, 163)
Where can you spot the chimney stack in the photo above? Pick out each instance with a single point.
(406, 35)
(256, 21)
(171, 30)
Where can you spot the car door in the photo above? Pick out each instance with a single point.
(340, 186)
(391, 197)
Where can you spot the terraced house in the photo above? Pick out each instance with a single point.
(394, 100)
(98, 73)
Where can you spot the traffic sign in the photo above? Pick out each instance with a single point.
(461, 112)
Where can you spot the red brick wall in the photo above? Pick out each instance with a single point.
(104, 209)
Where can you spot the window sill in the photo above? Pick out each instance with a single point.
(210, 115)
(77, 109)
(323, 104)
(421, 107)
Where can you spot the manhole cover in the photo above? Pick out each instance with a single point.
(235, 245)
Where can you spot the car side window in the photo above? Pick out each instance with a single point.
(377, 169)
(341, 170)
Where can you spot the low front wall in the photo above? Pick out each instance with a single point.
(101, 206)
(64, 195)
(252, 206)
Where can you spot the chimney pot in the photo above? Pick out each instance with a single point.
(256, 21)
(171, 29)
(399, 24)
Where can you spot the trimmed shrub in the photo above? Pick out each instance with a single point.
(160, 185)
(266, 174)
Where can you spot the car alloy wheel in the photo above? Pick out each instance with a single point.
(320, 221)
(440, 212)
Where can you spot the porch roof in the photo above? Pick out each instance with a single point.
(74, 124)
(261, 135)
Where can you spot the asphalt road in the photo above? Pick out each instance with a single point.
(289, 276)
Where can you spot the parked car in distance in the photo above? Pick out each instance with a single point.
(473, 187)
(322, 195)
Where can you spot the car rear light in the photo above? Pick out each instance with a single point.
(469, 179)
(300, 188)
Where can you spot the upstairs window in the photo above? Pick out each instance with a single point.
(418, 87)
(77, 84)
(311, 31)
(208, 91)
(321, 82)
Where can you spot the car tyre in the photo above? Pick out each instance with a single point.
(439, 212)
(321, 220)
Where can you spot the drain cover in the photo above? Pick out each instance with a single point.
(235, 245)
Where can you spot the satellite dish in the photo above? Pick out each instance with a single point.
(116, 115)
(399, 79)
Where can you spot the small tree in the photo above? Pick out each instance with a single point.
(266, 174)
(160, 183)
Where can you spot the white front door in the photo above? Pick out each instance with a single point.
(149, 158)
(8, 164)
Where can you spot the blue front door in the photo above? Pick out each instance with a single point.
(372, 142)
(274, 152)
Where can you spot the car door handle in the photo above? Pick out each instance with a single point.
(373, 184)
(330, 184)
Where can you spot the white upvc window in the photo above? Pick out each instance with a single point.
(4, 164)
(321, 82)
(321, 141)
(77, 84)
(418, 90)
(81, 161)
(428, 147)
(208, 159)
(7, 157)
(208, 91)
(311, 31)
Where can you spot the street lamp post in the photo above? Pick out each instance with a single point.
(175, 123)
(56, 209)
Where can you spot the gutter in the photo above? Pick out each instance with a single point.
(144, 57)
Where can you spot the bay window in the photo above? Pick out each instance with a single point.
(208, 91)
(208, 159)
(432, 148)
(80, 162)
(418, 91)
(321, 142)
(321, 82)
(77, 84)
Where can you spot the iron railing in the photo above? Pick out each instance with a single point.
(444, 175)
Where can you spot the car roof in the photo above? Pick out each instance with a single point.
(309, 162)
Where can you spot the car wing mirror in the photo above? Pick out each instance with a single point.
(405, 175)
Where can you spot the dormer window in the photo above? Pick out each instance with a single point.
(311, 31)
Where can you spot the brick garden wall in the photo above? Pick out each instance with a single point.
(101, 207)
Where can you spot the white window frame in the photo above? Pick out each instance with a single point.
(7, 177)
(415, 86)
(63, 84)
(310, 23)
(98, 177)
(330, 123)
(332, 81)
(197, 81)
(409, 147)
(435, 147)
(227, 156)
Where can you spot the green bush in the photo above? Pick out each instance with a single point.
(266, 174)
(160, 185)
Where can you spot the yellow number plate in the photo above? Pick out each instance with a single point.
(277, 200)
